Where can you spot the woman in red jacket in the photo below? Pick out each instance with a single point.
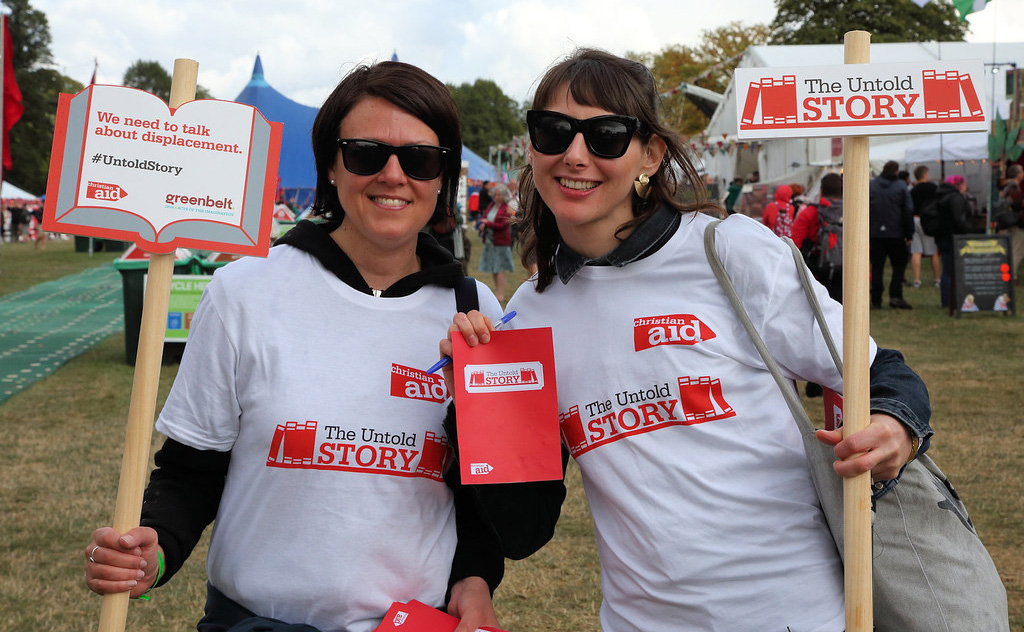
(494, 227)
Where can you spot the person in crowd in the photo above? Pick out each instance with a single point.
(891, 219)
(818, 232)
(41, 235)
(955, 219)
(778, 214)
(496, 233)
(924, 192)
(484, 199)
(1013, 192)
(326, 480)
(704, 511)
(733, 194)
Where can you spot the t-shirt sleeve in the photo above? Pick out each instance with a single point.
(764, 271)
(202, 409)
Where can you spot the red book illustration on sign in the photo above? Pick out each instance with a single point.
(507, 408)
(942, 92)
(777, 98)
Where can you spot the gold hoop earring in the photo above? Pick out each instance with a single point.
(642, 186)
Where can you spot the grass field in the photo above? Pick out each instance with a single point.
(61, 447)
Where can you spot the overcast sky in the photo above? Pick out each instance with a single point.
(308, 45)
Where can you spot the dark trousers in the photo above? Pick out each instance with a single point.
(896, 251)
(946, 280)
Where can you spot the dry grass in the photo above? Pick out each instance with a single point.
(62, 438)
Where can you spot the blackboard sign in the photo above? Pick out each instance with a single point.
(983, 281)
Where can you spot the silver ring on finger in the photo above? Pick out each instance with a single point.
(91, 553)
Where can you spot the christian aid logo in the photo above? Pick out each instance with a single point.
(671, 329)
(104, 191)
(413, 383)
(497, 378)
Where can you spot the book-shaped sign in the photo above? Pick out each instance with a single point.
(124, 166)
(860, 99)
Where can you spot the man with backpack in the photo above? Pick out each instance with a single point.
(778, 215)
(891, 220)
(818, 232)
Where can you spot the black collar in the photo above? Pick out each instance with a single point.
(437, 266)
(645, 240)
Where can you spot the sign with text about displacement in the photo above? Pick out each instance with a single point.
(860, 99)
(124, 166)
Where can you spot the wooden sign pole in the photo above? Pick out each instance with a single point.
(142, 408)
(856, 327)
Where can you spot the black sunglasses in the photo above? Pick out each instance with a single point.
(367, 157)
(606, 136)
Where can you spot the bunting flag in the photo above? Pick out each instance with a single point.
(13, 107)
(963, 7)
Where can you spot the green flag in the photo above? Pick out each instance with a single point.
(963, 7)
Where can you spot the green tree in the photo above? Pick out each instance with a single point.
(708, 65)
(151, 77)
(826, 21)
(489, 117)
(32, 136)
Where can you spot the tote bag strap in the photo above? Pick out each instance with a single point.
(785, 385)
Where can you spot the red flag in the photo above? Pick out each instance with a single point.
(95, 67)
(13, 107)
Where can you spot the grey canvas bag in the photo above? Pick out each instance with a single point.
(931, 572)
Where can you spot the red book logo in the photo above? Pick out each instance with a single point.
(293, 443)
(671, 329)
(777, 98)
(942, 91)
(702, 400)
(573, 435)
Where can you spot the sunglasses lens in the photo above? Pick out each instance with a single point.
(420, 162)
(551, 133)
(608, 138)
(364, 158)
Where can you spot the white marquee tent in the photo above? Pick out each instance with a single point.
(10, 192)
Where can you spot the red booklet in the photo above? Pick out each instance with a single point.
(507, 408)
(419, 617)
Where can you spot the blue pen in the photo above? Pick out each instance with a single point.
(445, 361)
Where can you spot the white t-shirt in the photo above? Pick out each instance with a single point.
(334, 505)
(704, 511)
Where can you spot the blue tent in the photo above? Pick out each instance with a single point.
(297, 171)
(479, 169)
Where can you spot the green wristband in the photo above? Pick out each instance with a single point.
(159, 574)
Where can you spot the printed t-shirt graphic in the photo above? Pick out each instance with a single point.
(689, 400)
(311, 445)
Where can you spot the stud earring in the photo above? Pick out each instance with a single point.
(332, 183)
(642, 186)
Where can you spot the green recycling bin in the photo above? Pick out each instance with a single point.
(133, 265)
